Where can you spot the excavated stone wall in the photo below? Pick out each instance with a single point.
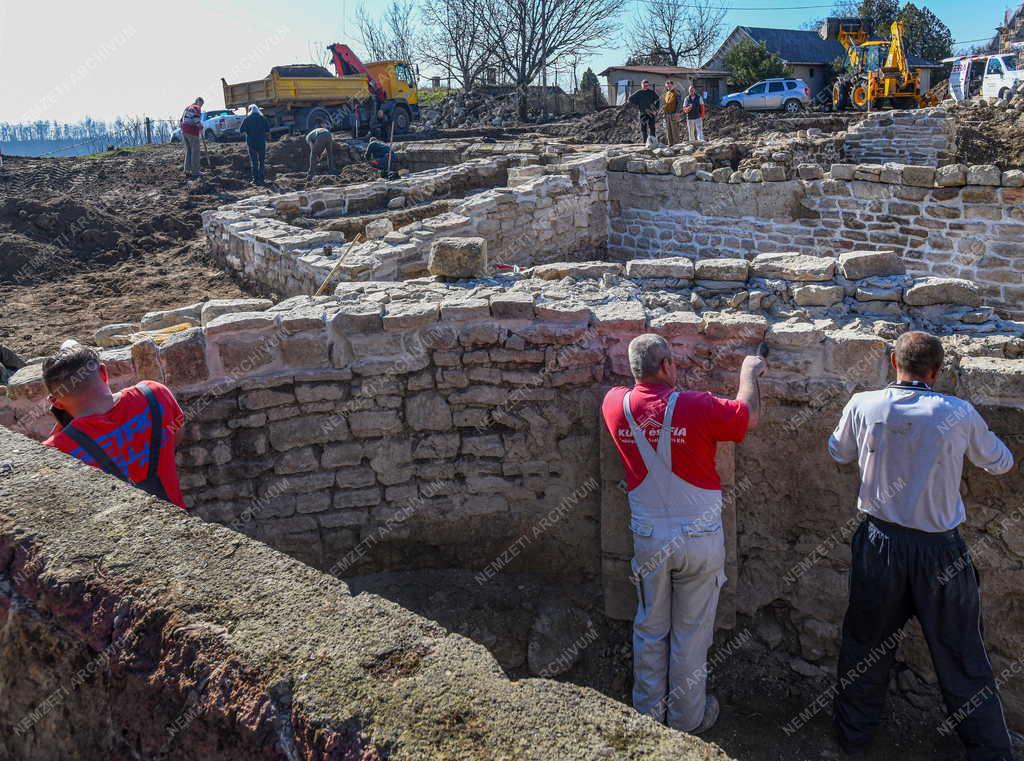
(958, 221)
(546, 213)
(129, 629)
(926, 136)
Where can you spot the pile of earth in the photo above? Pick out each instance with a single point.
(620, 124)
(990, 131)
(91, 240)
(481, 108)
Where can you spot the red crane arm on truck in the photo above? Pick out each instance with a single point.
(347, 63)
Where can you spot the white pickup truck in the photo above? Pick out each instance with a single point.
(222, 124)
(988, 76)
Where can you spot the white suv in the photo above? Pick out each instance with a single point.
(783, 94)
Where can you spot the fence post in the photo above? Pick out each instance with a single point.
(149, 131)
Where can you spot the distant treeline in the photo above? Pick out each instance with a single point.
(52, 138)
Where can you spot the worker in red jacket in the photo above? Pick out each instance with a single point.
(191, 129)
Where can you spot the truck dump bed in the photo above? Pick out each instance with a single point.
(278, 89)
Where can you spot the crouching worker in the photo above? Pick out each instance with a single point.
(131, 434)
(383, 158)
(320, 143)
(908, 558)
(667, 440)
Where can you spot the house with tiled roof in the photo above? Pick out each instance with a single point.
(809, 54)
(625, 80)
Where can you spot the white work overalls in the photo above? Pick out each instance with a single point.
(678, 569)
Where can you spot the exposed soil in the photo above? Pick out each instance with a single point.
(989, 134)
(621, 125)
(759, 691)
(93, 240)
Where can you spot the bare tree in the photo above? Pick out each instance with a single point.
(318, 53)
(391, 36)
(528, 35)
(457, 43)
(676, 32)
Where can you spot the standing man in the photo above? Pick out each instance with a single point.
(191, 128)
(256, 128)
(131, 435)
(694, 109)
(320, 142)
(670, 105)
(646, 100)
(908, 556)
(667, 440)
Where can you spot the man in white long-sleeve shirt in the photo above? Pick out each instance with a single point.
(910, 442)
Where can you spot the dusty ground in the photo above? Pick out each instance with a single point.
(759, 691)
(89, 241)
(990, 135)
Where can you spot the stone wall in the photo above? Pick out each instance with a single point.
(129, 629)
(957, 221)
(925, 136)
(546, 213)
(428, 423)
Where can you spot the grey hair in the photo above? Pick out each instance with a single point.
(254, 109)
(646, 353)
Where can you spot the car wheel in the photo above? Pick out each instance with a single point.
(792, 106)
(1005, 94)
(734, 105)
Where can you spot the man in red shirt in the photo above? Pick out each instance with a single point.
(667, 440)
(191, 125)
(131, 434)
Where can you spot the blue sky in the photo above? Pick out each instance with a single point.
(109, 57)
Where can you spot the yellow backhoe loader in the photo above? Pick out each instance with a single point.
(878, 74)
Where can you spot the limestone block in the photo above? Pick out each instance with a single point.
(773, 172)
(428, 412)
(942, 290)
(809, 171)
(818, 295)
(857, 357)
(843, 171)
(1012, 178)
(984, 174)
(722, 174)
(721, 269)
(677, 324)
(378, 228)
(487, 445)
(118, 334)
(875, 293)
(682, 167)
(992, 380)
(619, 316)
(793, 266)
(460, 309)
(437, 446)
(405, 315)
(855, 265)
(752, 175)
(357, 318)
(167, 318)
(183, 358)
(303, 431)
(679, 267)
(558, 270)
(374, 423)
(919, 176)
(951, 176)
(458, 257)
(216, 307)
(799, 335)
(741, 327)
(240, 321)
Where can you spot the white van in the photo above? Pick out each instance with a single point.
(990, 76)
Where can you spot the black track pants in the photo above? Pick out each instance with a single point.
(647, 126)
(897, 573)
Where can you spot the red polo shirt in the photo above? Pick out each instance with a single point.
(699, 422)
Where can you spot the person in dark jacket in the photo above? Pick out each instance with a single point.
(255, 127)
(10, 363)
(693, 107)
(647, 101)
(382, 157)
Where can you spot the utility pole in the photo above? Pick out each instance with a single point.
(149, 131)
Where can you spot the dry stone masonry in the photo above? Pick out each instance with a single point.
(924, 136)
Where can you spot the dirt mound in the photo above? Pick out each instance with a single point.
(484, 109)
(620, 124)
(991, 133)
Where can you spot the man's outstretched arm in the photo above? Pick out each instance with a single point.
(753, 367)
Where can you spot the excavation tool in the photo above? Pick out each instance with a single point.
(323, 285)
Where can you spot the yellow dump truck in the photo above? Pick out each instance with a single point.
(302, 97)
